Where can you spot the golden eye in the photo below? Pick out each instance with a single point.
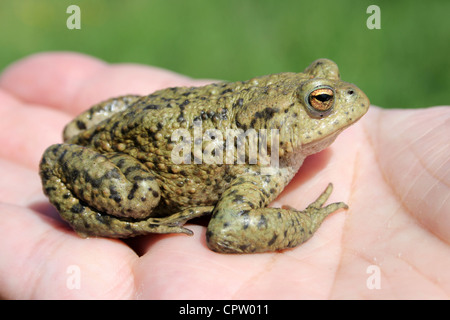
(321, 99)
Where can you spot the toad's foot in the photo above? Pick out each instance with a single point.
(113, 227)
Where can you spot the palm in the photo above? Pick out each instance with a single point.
(392, 168)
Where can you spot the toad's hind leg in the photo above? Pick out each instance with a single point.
(97, 114)
(110, 196)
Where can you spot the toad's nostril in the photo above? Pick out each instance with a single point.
(350, 92)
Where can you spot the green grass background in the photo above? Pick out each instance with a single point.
(405, 64)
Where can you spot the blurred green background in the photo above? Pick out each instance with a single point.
(405, 64)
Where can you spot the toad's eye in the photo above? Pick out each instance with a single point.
(321, 100)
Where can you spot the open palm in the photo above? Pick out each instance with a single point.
(392, 169)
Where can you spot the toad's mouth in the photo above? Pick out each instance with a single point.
(322, 143)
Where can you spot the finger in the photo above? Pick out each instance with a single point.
(39, 256)
(72, 82)
(19, 185)
(51, 79)
(27, 130)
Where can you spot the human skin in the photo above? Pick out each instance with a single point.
(392, 168)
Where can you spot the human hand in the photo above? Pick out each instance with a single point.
(391, 168)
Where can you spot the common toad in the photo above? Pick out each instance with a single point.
(118, 173)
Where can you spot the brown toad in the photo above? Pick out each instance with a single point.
(115, 174)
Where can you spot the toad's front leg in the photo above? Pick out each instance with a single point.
(239, 226)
